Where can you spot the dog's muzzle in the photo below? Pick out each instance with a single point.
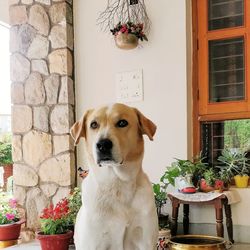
(104, 150)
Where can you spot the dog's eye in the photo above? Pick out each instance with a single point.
(94, 125)
(122, 124)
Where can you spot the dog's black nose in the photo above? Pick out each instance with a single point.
(104, 146)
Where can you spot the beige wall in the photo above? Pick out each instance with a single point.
(166, 77)
(163, 60)
(4, 11)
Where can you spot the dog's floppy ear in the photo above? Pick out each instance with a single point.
(78, 130)
(146, 126)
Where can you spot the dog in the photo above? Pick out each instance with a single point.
(118, 211)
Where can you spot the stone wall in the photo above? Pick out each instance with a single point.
(41, 46)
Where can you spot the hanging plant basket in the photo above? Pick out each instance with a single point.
(127, 20)
(126, 41)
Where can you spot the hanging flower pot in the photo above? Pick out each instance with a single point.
(127, 35)
(128, 17)
(126, 41)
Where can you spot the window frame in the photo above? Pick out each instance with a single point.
(202, 109)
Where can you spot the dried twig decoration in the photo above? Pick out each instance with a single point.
(123, 11)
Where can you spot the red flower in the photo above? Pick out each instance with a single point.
(60, 210)
(124, 29)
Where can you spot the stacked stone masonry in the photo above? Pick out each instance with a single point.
(42, 93)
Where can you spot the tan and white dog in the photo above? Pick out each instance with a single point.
(118, 211)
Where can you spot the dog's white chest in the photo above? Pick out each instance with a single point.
(111, 215)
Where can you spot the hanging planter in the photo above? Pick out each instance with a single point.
(126, 41)
(127, 20)
(127, 35)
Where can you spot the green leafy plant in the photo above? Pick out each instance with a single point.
(210, 176)
(75, 203)
(55, 219)
(160, 196)
(8, 210)
(5, 153)
(183, 168)
(233, 162)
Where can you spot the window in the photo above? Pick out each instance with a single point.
(221, 89)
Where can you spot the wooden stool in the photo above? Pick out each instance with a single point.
(218, 204)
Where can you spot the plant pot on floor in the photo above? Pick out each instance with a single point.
(55, 241)
(241, 181)
(163, 238)
(9, 233)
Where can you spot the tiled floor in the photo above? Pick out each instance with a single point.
(35, 246)
(241, 247)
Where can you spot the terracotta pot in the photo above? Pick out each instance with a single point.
(241, 181)
(126, 41)
(8, 171)
(9, 232)
(218, 185)
(55, 241)
(204, 187)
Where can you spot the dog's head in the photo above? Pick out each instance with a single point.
(113, 134)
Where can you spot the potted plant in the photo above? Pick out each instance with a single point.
(75, 203)
(184, 174)
(160, 199)
(127, 35)
(10, 222)
(55, 222)
(234, 164)
(6, 158)
(211, 181)
(163, 219)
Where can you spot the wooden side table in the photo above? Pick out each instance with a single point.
(218, 204)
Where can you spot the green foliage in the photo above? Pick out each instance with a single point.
(210, 176)
(233, 162)
(183, 168)
(160, 196)
(5, 150)
(237, 134)
(170, 174)
(59, 226)
(75, 203)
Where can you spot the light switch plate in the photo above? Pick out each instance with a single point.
(129, 86)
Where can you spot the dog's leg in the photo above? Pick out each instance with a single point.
(141, 238)
(150, 233)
